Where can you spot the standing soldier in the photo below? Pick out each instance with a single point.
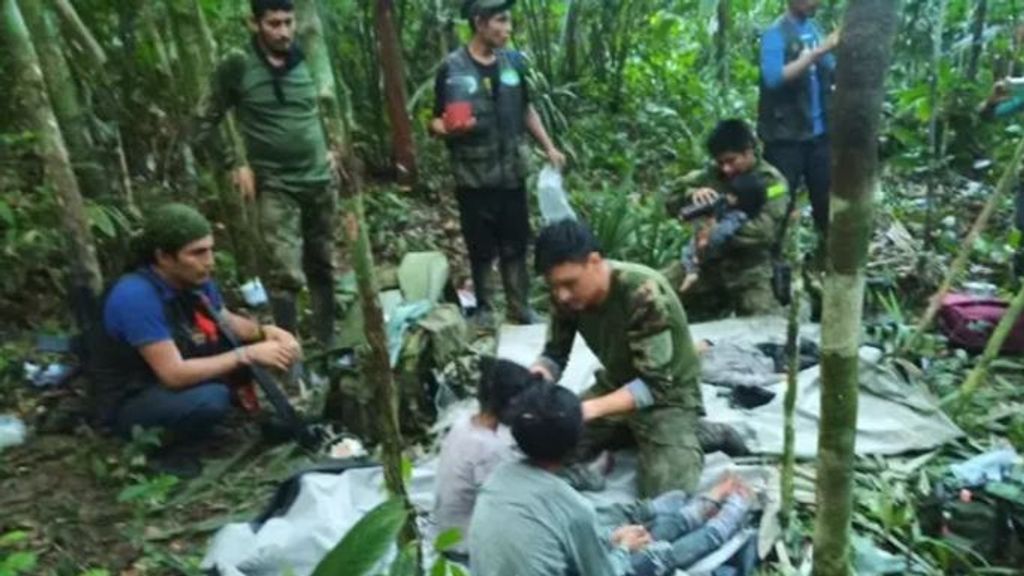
(482, 112)
(796, 79)
(287, 171)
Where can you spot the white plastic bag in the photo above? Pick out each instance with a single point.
(554, 203)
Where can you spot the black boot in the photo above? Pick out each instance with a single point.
(285, 311)
(516, 280)
(481, 271)
(321, 296)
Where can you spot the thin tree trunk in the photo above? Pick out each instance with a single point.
(977, 32)
(65, 98)
(1006, 183)
(934, 148)
(722, 42)
(28, 84)
(314, 45)
(992, 348)
(392, 68)
(792, 374)
(94, 53)
(570, 41)
(376, 367)
(869, 27)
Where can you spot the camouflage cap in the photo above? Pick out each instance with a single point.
(471, 8)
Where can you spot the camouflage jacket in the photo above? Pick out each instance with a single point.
(639, 332)
(751, 245)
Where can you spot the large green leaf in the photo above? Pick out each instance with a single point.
(366, 543)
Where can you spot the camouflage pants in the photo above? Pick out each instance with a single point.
(297, 229)
(669, 454)
(714, 298)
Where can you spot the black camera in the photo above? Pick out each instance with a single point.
(694, 211)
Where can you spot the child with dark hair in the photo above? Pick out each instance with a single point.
(477, 444)
(529, 522)
(744, 200)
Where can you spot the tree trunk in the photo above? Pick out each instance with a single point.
(77, 29)
(570, 41)
(934, 148)
(792, 373)
(30, 88)
(374, 361)
(722, 42)
(991, 352)
(65, 98)
(977, 31)
(392, 68)
(1006, 183)
(314, 45)
(869, 27)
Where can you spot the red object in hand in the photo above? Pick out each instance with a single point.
(457, 115)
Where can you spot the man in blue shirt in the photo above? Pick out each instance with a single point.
(162, 362)
(796, 78)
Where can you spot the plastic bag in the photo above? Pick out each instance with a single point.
(554, 203)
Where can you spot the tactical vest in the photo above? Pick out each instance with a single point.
(784, 113)
(116, 368)
(492, 154)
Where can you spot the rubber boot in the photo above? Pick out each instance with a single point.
(484, 316)
(285, 311)
(321, 296)
(516, 280)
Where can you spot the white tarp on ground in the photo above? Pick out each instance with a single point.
(894, 416)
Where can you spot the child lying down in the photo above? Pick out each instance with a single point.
(520, 515)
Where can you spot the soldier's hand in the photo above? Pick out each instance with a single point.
(704, 196)
(540, 370)
(283, 337)
(245, 182)
(556, 158)
(271, 354)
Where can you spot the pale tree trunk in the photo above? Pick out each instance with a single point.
(392, 68)
(722, 42)
(792, 373)
(934, 147)
(65, 98)
(73, 25)
(869, 27)
(977, 30)
(30, 88)
(318, 59)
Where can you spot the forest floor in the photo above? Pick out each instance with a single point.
(81, 503)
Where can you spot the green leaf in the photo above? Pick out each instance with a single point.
(447, 539)
(366, 543)
(20, 562)
(12, 538)
(6, 214)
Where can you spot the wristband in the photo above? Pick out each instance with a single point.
(243, 355)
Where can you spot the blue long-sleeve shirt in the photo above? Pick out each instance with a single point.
(773, 59)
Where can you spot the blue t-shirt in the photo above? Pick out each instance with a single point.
(134, 310)
(773, 59)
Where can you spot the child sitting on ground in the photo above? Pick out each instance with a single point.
(476, 444)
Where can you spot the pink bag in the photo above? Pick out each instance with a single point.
(968, 321)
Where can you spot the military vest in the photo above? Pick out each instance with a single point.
(493, 153)
(784, 113)
(117, 369)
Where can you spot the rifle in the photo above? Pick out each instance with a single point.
(308, 436)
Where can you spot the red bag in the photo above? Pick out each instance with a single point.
(968, 321)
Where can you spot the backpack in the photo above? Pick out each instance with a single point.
(968, 322)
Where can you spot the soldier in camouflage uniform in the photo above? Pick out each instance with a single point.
(648, 393)
(736, 276)
(287, 171)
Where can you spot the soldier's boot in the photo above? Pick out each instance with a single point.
(718, 437)
(515, 278)
(321, 296)
(483, 318)
(285, 311)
